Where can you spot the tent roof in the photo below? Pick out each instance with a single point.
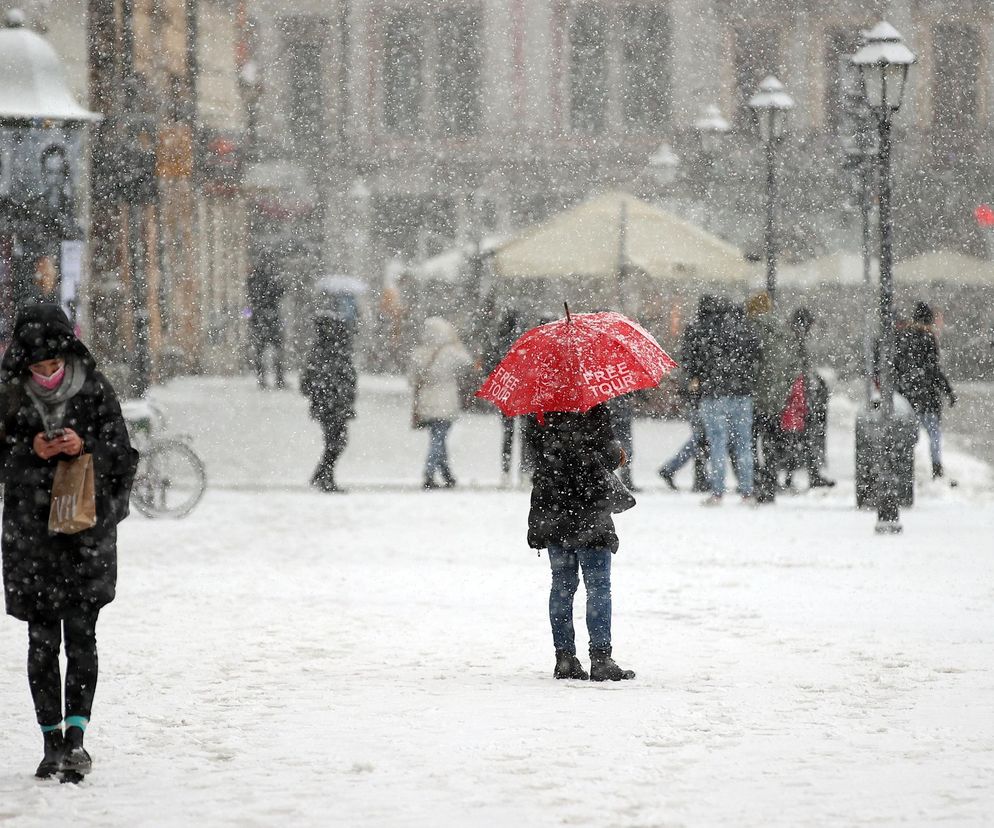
(588, 241)
(945, 266)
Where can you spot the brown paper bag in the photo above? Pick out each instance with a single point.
(74, 502)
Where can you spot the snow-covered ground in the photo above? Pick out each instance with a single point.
(383, 658)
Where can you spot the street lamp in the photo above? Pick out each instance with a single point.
(711, 127)
(40, 159)
(883, 63)
(771, 104)
(664, 164)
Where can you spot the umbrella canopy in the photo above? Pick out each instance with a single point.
(340, 283)
(595, 238)
(574, 364)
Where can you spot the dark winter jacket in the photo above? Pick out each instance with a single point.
(43, 573)
(329, 378)
(917, 372)
(265, 293)
(721, 351)
(573, 453)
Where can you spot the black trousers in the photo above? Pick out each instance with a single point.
(78, 629)
(335, 431)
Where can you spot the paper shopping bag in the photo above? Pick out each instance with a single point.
(74, 503)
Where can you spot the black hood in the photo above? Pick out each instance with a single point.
(41, 331)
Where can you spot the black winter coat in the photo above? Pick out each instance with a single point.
(329, 378)
(722, 352)
(573, 453)
(918, 374)
(44, 574)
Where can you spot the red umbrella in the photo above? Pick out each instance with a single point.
(574, 364)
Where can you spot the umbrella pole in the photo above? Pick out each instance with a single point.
(568, 317)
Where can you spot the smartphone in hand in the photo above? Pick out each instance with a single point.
(54, 435)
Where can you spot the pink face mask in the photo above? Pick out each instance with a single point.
(52, 382)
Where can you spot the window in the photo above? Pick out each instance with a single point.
(757, 54)
(304, 59)
(646, 72)
(402, 66)
(840, 77)
(588, 68)
(955, 94)
(458, 76)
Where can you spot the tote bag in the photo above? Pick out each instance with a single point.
(74, 502)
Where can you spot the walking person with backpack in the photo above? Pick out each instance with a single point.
(58, 578)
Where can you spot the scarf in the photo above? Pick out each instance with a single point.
(51, 402)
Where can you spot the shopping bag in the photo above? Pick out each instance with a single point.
(74, 502)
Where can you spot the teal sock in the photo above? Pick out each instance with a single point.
(77, 721)
(51, 728)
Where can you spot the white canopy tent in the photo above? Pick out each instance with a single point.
(596, 238)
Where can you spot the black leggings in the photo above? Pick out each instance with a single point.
(78, 629)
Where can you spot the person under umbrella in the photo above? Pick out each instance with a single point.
(562, 374)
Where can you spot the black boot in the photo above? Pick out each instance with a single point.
(604, 668)
(447, 477)
(429, 482)
(568, 666)
(936, 471)
(54, 748)
(668, 477)
(76, 762)
(816, 481)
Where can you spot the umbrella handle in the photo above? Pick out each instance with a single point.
(568, 317)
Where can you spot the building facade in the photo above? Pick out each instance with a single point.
(425, 122)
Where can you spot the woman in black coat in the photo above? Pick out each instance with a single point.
(571, 506)
(329, 382)
(57, 406)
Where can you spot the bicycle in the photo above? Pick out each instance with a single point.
(171, 478)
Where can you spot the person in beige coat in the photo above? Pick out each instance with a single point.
(436, 366)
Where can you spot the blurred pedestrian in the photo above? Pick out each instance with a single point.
(436, 367)
(265, 290)
(59, 407)
(779, 364)
(920, 378)
(723, 361)
(329, 382)
(622, 411)
(570, 516)
(804, 420)
(507, 330)
(695, 448)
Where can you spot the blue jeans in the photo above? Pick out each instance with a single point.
(688, 451)
(930, 422)
(596, 566)
(438, 453)
(728, 418)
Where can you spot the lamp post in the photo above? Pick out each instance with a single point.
(40, 160)
(861, 154)
(883, 63)
(664, 164)
(771, 105)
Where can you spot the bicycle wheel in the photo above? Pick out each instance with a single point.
(170, 481)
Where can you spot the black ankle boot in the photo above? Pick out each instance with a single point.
(447, 478)
(568, 666)
(604, 668)
(76, 762)
(54, 748)
(936, 471)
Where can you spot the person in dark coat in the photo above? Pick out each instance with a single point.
(804, 421)
(695, 448)
(570, 516)
(722, 363)
(329, 382)
(265, 294)
(505, 334)
(58, 405)
(920, 378)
